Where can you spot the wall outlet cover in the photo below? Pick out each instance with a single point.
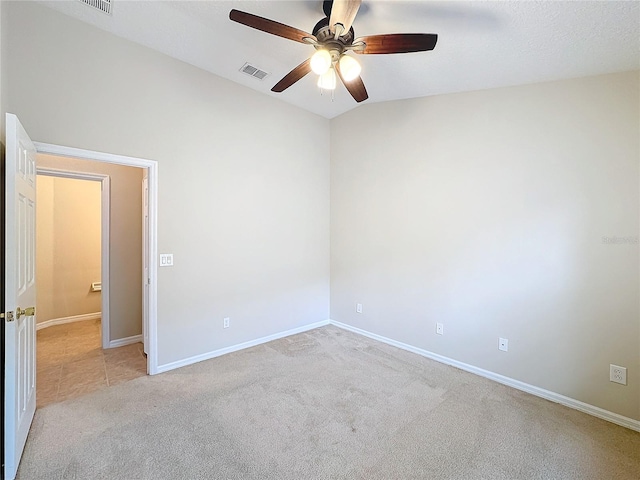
(358, 308)
(503, 344)
(618, 374)
(439, 329)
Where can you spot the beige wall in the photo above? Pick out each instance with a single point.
(68, 250)
(486, 211)
(125, 239)
(243, 178)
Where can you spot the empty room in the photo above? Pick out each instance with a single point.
(385, 239)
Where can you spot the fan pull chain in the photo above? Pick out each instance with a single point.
(333, 94)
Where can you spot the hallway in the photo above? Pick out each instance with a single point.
(71, 362)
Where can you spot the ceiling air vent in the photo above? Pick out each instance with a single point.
(103, 5)
(253, 71)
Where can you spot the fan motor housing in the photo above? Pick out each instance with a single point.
(327, 40)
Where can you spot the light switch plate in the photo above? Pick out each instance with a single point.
(166, 259)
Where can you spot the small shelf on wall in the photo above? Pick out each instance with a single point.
(96, 287)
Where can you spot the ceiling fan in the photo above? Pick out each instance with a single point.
(333, 37)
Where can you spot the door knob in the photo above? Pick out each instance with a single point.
(29, 311)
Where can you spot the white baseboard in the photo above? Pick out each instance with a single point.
(121, 342)
(241, 346)
(71, 319)
(525, 387)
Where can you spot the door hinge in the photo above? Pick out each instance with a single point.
(8, 316)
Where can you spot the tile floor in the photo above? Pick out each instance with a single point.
(70, 362)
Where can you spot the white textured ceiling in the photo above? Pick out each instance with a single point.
(480, 44)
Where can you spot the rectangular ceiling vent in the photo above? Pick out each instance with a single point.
(253, 71)
(103, 5)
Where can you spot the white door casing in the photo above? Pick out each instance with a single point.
(145, 262)
(20, 293)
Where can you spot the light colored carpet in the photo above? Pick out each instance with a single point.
(323, 404)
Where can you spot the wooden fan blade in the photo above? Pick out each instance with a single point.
(343, 11)
(293, 76)
(397, 43)
(269, 26)
(355, 87)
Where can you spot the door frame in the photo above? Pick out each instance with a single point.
(145, 261)
(152, 169)
(105, 202)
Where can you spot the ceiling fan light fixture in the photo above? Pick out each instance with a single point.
(331, 37)
(327, 81)
(349, 68)
(321, 62)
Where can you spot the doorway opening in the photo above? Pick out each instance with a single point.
(113, 334)
(78, 349)
(72, 247)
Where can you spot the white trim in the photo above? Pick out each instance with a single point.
(525, 387)
(152, 169)
(63, 151)
(241, 346)
(121, 342)
(105, 215)
(71, 319)
(145, 262)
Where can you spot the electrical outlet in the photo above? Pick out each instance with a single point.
(358, 308)
(225, 322)
(503, 344)
(439, 329)
(618, 374)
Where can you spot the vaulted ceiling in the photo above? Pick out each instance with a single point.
(480, 44)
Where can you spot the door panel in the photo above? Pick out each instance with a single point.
(20, 293)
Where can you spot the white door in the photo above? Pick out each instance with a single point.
(20, 293)
(145, 261)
